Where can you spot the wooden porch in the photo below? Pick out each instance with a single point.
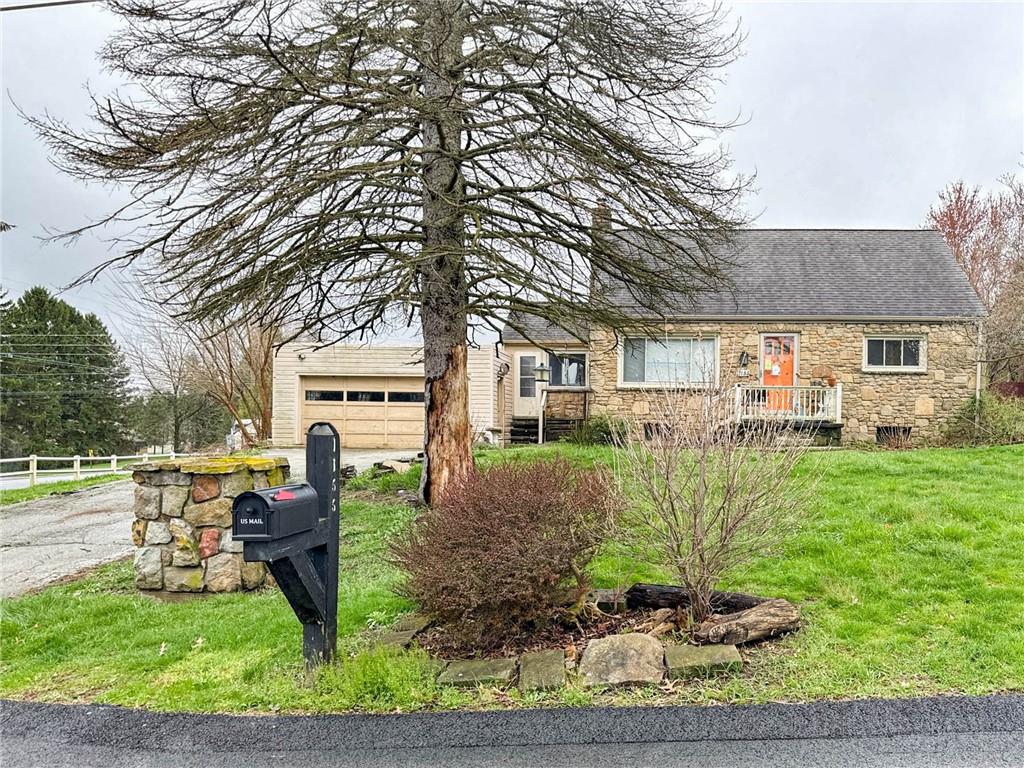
(798, 405)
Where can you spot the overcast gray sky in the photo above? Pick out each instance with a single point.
(857, 114)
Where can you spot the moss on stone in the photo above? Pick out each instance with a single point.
(214, 465)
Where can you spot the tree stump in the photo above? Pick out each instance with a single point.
(767, 619)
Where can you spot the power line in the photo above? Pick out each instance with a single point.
(47, 4)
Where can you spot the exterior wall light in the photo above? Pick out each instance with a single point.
(542, 373)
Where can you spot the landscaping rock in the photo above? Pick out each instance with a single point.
(475, 672)
(223, 573)
(138, 532)
(253, 574)
(686, 661)
(204, 488)
(209, 513)
(174, 498)
(435, 666)
(157, 533)
(623, 660)
(542, 670)
(149, 571)
(228, 544)
(259, 481)
(161, 478)
(413, 622)
(177, 579)
(236, 483)
(277, 476)
(397, 639)
(209, 542)
(147, 502)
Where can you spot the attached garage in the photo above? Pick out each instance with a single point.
(373, 395)
(367, 411)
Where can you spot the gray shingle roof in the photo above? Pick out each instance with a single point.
(522, 327)
(832, 273)
(815, 273)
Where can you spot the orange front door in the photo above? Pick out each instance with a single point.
(778, 369)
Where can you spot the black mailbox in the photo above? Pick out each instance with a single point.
(274, 513)
(294, 529)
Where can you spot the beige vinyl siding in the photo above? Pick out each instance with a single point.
(397, 366)
(481, 390)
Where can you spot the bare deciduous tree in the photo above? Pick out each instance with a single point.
(229, 361)
(710, 496)
(986, 235)
(338, 165)
(160, 354)
(233, 364)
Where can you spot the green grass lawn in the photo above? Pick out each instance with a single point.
(908, 575)
(18, 495)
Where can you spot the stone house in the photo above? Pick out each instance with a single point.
(862, 335)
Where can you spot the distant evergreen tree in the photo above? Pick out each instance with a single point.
(188, 421)
(63, 380)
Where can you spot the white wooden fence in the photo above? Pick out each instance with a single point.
(76, 467)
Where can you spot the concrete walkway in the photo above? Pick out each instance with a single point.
(51, 538)
(914, 733)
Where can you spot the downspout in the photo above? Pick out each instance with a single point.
(977, 374)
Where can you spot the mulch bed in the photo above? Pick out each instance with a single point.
(570, 637)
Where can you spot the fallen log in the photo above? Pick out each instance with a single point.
(665, 596)
(767, 619)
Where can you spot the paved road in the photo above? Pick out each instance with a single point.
(977, 732)
(13, 483)
(45, 540)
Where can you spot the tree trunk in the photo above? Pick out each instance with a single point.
(770, 618)
(176, 419)
(448, 443)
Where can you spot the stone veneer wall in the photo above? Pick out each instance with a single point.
(566, 404)
(182, 525)
(923, 401)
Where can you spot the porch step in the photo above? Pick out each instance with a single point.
(556, 429)
(524, 431)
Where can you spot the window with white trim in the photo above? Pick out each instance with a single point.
(527, 378)
(888, 353)
(673, 362)
(568, 369)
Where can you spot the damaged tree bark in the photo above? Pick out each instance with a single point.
(444, 299)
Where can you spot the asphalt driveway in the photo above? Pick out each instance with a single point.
(50, 538)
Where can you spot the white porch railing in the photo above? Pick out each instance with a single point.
(75, 467)
(760, 403)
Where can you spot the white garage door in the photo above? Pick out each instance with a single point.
(367, 411)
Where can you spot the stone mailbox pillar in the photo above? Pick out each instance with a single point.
(182, 525)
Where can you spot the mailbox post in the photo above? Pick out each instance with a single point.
(294, 529)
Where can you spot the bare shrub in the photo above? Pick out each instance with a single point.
(710, 494)
(505, 549)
